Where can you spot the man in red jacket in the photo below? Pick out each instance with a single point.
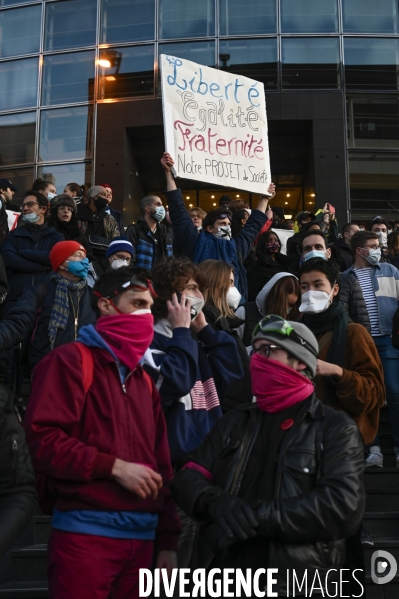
(98, 440)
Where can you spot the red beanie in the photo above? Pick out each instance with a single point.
(61, 252)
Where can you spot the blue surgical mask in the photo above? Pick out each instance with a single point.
(51, 196)
(79, 269)
(159, 213)
(374, 256)
(315, 254)
(31, 218)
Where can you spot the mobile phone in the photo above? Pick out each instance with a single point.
(193, 311)
(328, 207)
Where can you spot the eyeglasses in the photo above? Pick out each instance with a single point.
(28, 205)
(370, 247)
(67, 208)
(265, 350)
(277, 325)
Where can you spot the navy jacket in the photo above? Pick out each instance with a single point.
(192, 377)
(26, 255)
(206, 246)
(23, 316)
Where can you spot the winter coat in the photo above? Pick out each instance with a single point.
(26, 255)
(118, 219)
(96, 223)
(207, 246)
(351, 295)
(361, 390)
(75, 437)
(318, 497)
(263, 270)
(148, 253)
(345, 252)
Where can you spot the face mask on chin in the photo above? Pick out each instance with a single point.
(31, 219)
(314, 302)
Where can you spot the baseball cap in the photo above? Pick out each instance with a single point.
(5, 183)
(294, 337)
(304, 214)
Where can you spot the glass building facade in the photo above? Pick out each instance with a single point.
(60, 60)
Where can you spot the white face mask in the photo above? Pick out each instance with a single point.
(224, 232)
(119, 263)
(233, 298)
(197, 303)
(383, 238)
(51, 196)
(313, 302)
(140, 312)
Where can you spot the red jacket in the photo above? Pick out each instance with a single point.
(75, 437)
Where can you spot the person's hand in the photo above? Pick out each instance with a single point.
(235, 517)
(179, 312)
(139, 479)
(167, 162)
(269, 213)
(271, 190)
(168, 560)
(327, 369)
(198, 323)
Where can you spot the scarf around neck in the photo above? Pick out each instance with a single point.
(60, 310)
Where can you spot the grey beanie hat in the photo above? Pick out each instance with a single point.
(302, 345)
(94, 191)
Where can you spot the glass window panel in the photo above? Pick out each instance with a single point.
(20, 31)
(309, 16)
(201, 52)
(127, 20)
(179, 18)
(373, 121)
(310, 63)
(70, 24)
(12, 2)
(17, 134)
(256, 58)
(18, 83)
(66, 133)
(130, 72)
(370, 16)
(22, 178)
(241, 17)
(68, 78)
(371, 63)
(62, 174)
(374, 181)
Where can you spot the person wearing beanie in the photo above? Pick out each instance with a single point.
(115, 213)
(120, 252)
(278, 484)
(95, 223)
(27, 248)
(63, 218)
(64, 305)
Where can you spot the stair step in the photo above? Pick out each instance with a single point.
(381, 478)
(378, 500)
(385, 427)
(390, 545)
(34, 589)
(383, 591)
(42, 529)
(382, 524)
(386, 442)
(29, 563)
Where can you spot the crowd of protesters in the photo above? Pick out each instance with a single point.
(201, 395)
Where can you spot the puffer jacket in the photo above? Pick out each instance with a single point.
(318, 496)
(351, 295)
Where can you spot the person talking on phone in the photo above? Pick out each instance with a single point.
(192, 365)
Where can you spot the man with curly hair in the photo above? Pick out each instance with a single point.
(192, 365)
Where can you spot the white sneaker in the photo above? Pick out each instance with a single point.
(375, 459)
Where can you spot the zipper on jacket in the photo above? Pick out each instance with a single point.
(14, 449)
(75, 314)
(248, 445)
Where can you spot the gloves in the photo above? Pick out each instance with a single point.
(235, 517)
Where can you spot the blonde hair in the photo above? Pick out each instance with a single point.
(217, 274)
(201, 213)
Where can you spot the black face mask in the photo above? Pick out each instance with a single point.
(100, 203)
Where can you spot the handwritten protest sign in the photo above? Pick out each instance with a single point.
(215, 125)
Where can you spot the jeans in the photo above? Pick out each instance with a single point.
(16, 510)
(390, 362)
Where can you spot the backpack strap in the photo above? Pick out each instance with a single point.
(87, 365)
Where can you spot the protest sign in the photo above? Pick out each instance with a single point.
(215, 125)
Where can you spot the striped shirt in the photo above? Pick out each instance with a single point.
(366, 285)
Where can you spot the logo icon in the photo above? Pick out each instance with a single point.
(383, 567)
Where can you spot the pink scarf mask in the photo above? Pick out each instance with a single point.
(277, 386)
(128, 335)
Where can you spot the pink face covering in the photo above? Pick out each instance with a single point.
(277, 386)
(128, 335)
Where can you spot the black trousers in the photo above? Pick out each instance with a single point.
(16, 510)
